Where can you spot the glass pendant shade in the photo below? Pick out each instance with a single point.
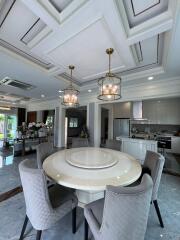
(70, 94)
(110, 85)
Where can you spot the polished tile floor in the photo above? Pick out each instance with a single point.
(12, 211)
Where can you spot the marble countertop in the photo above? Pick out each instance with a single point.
(135, 139)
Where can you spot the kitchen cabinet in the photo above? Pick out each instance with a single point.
(138, 147)
(164, 111)
(122, 110)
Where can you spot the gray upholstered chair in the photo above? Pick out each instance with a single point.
(79, 142)
(113, 144)
(154, 163)
(43, 151)
(122, 215)
(44, 207)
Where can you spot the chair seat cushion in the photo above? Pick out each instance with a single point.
(96, 208)
(59, 195)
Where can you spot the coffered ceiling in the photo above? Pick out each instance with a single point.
(53, 34)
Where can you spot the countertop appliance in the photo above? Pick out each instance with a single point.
(121, 127)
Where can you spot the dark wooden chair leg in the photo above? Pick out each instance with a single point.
(85, 230)
(74, 221)
(158, 213)
(38, 235)
(23, 228)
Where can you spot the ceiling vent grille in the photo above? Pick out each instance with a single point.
(15, 83)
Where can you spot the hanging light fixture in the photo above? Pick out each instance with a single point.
(70, 94)
(110, 85)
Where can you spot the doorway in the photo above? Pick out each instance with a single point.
(75, 123)
(104, 125)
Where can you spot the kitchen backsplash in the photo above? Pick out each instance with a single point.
(155, 128)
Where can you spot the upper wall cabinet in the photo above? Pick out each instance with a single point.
(164, 111)
(122, 110)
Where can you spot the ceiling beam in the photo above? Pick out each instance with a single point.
(150, 28)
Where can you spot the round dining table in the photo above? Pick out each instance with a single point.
(89, 170)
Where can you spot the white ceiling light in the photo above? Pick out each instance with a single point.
(89, 90)
(42, 95)
(60, 91)
(150, 78)
(5, 108)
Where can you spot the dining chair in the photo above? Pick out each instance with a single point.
(153, 165)
(43, 150)
(122, 214)
(79, 142)
(113, 144)
(44, 207)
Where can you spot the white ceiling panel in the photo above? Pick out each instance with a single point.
(86, 51)
(140, 6)
(17, 27)
(60, 5)
(139, 11)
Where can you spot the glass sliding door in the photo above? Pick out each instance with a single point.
(2, 126)
(8, 126)
(11, 127)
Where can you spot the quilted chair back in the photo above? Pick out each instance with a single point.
(79, 142)
(126, 211)
(38, 206)
(43, 151)
(154, 162)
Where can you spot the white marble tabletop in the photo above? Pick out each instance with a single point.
(101, 167)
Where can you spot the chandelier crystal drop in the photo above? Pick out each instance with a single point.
(70, 94)
(110, 85)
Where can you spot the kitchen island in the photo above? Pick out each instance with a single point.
(137, 147)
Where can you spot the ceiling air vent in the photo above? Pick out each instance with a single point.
(15, 83)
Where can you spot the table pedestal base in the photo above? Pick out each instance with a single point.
(85, 197)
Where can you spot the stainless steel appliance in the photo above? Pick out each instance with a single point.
(121, 127)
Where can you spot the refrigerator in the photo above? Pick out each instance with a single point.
(121, 127)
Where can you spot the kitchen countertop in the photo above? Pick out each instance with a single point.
(135, 139)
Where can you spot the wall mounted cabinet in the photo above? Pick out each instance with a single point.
(123, 110)
(164, 111)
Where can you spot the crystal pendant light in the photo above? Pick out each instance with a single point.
(70, 94)
(110, 85)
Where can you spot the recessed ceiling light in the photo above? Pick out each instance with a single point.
(150, 78)
(60, 96)
(89, 90)
(42, 95)
(60, 90)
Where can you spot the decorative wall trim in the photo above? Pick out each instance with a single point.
(136, 14)
(18, 51)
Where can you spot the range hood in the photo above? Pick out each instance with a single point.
(137, 111)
